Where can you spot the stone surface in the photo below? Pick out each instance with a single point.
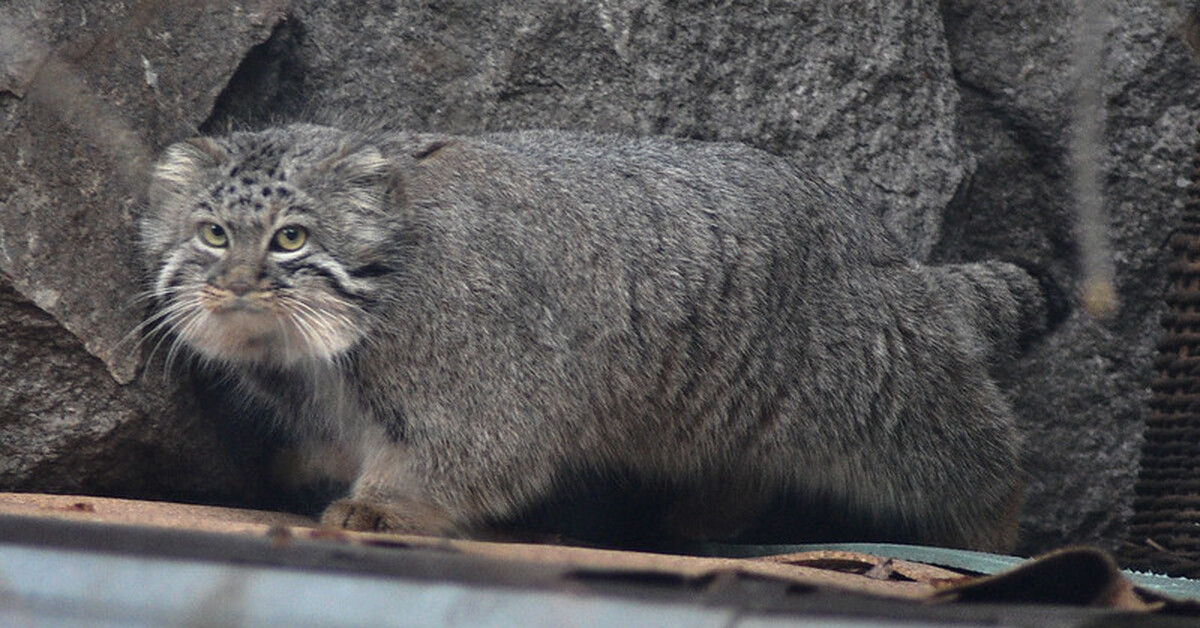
(865, 95)
(66, 425)
(951, 119)
(1082, 391)
(87, 92)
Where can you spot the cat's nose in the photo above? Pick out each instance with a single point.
(241, 280)
(239, 287)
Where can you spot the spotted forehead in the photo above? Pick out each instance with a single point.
(251, 189)
(255, 183)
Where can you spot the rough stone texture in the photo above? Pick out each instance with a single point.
(1081, 391)
(860, 90)
(67, 425)
(949, 118)
(87, 90)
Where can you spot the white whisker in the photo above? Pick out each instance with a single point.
(325, 313)
(168, 324)
(327, 329)
(152, 319)
(303, 324)
(192, 319)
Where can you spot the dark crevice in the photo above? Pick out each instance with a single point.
(268, 86)
(1036, 136)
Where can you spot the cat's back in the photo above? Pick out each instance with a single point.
(656, 187)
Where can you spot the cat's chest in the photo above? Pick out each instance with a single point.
(313, 398)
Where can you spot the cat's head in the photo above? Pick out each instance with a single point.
(270, 247)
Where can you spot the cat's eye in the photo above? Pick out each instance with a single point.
(214, 235)
(289, 238)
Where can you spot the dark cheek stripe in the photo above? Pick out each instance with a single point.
(305, 264)
(370, 271)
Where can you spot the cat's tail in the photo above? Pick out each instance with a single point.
(1005, 305)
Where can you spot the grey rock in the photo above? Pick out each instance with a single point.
(1081, 391)
(87, 92)
(863, 90)
(66, 425)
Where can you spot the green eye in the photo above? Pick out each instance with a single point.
(290, 238)
(213, 235)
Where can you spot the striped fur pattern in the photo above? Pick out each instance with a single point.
(498, 320)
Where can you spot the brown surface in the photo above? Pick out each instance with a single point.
(614, 562)
(135, 512)
(836, 570)
(1076, 576)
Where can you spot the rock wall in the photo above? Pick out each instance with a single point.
(950, 119)
(87, 92)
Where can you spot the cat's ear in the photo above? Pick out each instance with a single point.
(182, 165)
(366, 178)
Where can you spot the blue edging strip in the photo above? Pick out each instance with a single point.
(978, 562)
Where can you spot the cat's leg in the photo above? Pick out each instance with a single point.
(990, 526)
(398, 516)
(387, 497)
(969, 492)
(1001, 535)
(461, 491)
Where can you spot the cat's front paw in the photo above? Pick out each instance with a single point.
(400, 517)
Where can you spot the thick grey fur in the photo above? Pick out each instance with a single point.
(499, 317)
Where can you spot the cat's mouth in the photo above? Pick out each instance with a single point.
(265, 326)
(238, 327)
(233, 304)
(245, 331)
(220, 300)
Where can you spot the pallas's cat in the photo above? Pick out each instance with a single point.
(499, 322)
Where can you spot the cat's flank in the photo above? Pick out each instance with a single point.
(508, 321)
